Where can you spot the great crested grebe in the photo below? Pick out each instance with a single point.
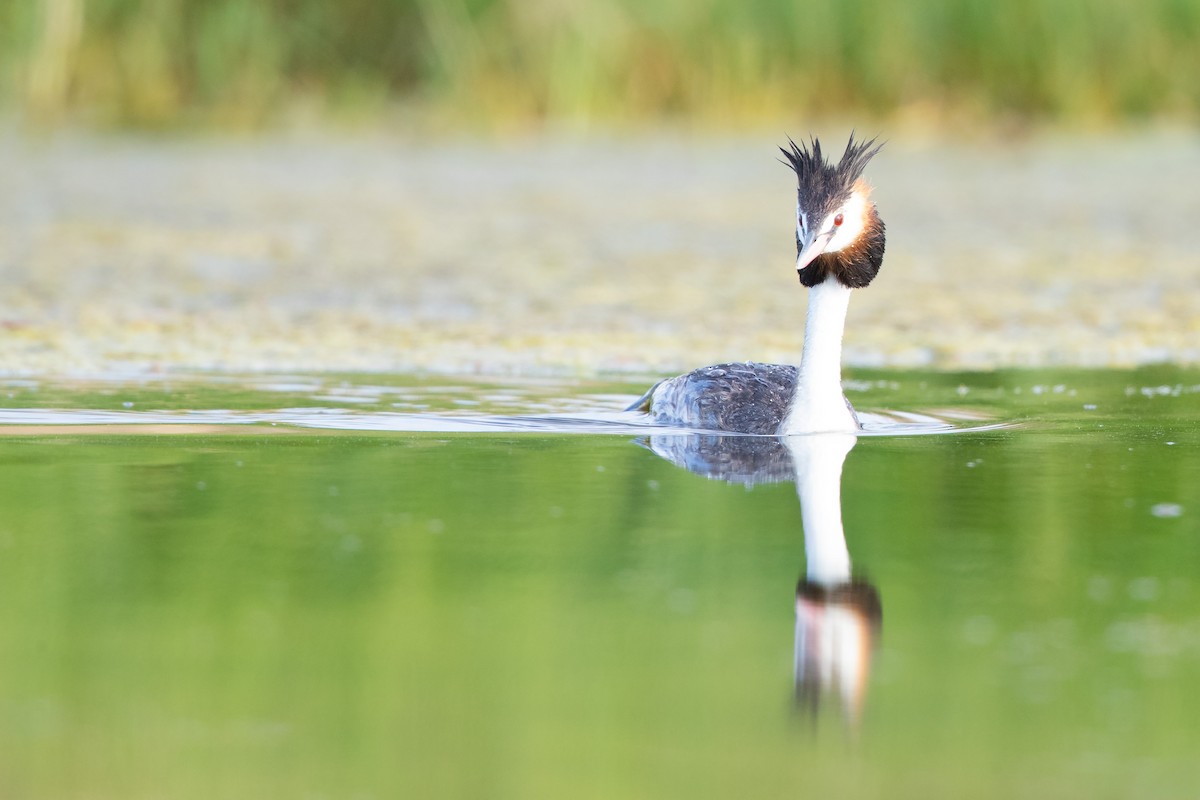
(839, 246)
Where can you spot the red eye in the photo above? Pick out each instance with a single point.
(838, 220)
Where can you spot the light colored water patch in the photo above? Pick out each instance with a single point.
(577, 256)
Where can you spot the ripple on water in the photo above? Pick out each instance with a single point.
(400, 403)
(876, 423)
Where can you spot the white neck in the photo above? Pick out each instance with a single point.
(818, 463)
(819, 405)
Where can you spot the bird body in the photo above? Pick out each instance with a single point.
(744, 397)
(839, 247)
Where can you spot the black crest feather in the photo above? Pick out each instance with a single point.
(821, 185)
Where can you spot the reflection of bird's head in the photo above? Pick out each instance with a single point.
(837, 627)
(838, 231)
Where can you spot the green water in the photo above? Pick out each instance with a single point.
(322, 613)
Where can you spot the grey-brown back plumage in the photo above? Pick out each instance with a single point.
(738, 397)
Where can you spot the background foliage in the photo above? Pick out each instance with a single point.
(154, 63)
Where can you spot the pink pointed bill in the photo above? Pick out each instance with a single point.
(813, 249)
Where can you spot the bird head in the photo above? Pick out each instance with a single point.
(838, 230)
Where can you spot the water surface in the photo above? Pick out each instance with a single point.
(250, 607)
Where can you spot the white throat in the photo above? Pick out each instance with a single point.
(819, 405)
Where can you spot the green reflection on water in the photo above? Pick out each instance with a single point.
(519, 616)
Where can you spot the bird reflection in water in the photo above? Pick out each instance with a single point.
(838, 617)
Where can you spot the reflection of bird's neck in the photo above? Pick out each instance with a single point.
(818, 462)
(836, 618)
(818, 404)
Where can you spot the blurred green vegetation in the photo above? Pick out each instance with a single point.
(244, 63)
